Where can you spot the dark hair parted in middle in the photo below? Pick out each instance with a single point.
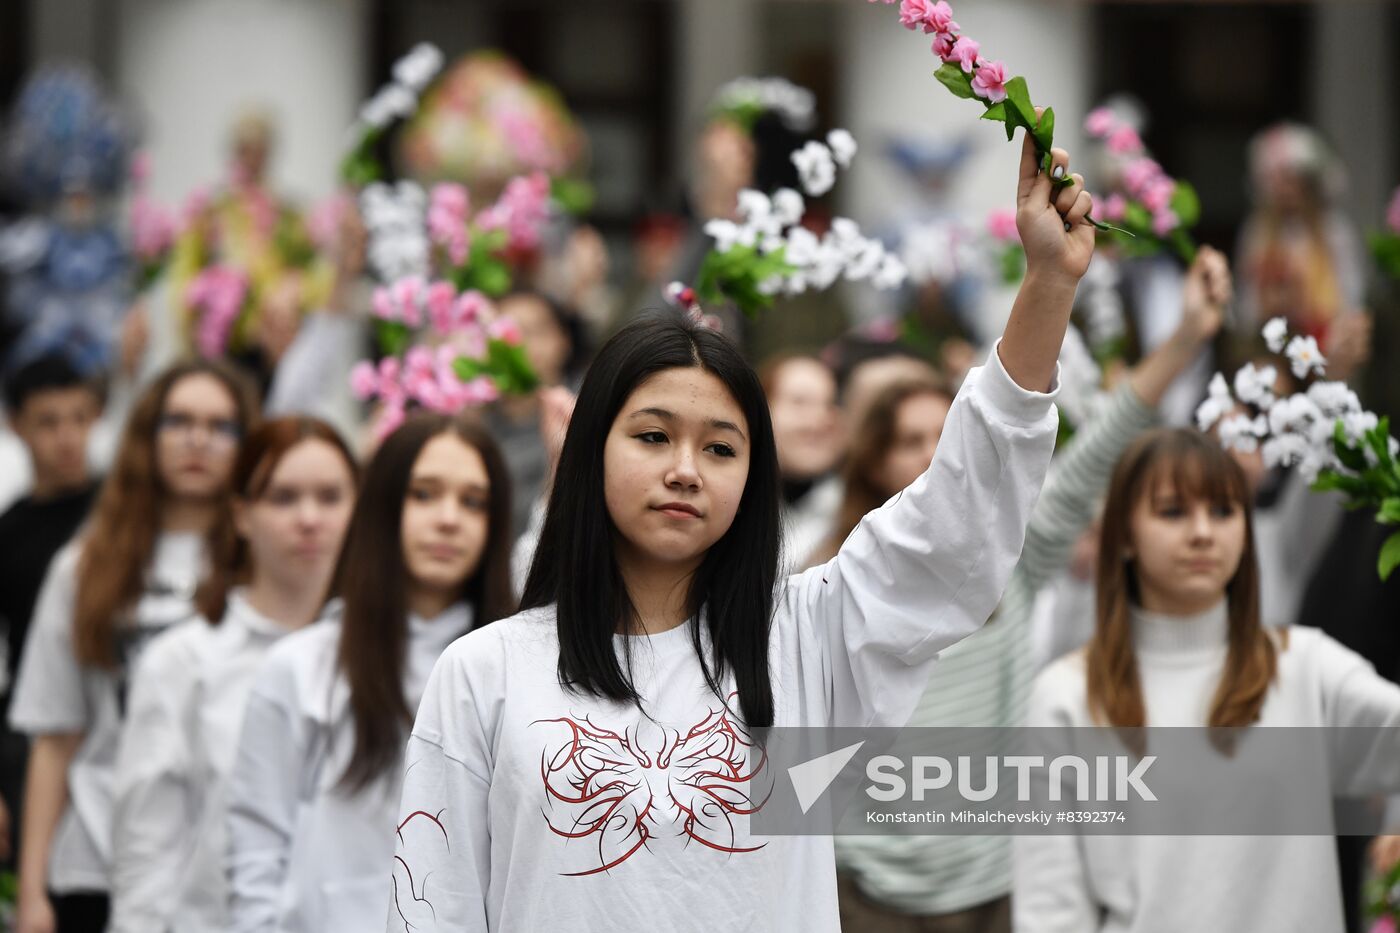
(575, 568)
(371, 579)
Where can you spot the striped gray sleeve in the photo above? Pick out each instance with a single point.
(1077, 479)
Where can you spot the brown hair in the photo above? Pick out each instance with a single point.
(121, 536)
(372, 580)
(1199, 469)
(870, 446)
(230, 563)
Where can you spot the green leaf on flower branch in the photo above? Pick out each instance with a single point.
(1185, 247)
(510, 369)
(1378, 439)
(1390, 556)
(1186, 204)
(1389, 513)
(1385, 247)
(393, 337)
(956, 80)
(1013, 264)
(1045, 130)
(1045, 161)
(1018, 102)
(1350, 457)
(996, 112)
(1352, 486)
(574, 195)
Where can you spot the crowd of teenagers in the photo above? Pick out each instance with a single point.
(267, 674)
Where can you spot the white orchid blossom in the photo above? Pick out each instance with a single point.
(843, 147)
(417, 69)
(1275, 334)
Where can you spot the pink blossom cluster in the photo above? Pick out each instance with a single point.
(427, 376)
(424, 377)
(935, 17)
(217, 294)
(153, 229)
(1392, 214)
(1144, 180)
(1001, 224)
(409, 300)
(526, 136)
(521, 211)
(449, 208)
(325, 220)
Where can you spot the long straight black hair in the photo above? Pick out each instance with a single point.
(575, 569)
(372, 580)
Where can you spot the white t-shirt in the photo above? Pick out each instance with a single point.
(54, 694)
(528, 808)
(178, 743)
(304, 855)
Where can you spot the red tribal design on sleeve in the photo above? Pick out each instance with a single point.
(411, 901)
(627, 790)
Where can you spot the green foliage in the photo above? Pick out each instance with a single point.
(485, 270)
(1386, 248)
(1371, 480)
(1383, 892)
(360, 167)
(735, 275)
(505, 364)
(1390, 556)
(574, 195)
(1012, 264)
(292, 241)
(393, 337)
(956, 80)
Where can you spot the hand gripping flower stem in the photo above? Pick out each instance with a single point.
(1014, 110)
(1059, 245)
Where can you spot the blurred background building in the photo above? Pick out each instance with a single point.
(639, 73)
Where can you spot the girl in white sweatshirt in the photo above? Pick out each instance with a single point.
(1179, 643)
(294, 487)
(130, 574)
(315, 781)
(583, 765)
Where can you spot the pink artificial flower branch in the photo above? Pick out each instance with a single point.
(970, 76)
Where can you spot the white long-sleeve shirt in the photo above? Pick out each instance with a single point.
(55, 694)
(1207, 884)
(177, 747)
(494, 831)
(304, 855)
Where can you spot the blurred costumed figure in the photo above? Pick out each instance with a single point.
(66, 272)
(1299, 257)
(244, 269)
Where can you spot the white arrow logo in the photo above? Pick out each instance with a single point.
(811, 778)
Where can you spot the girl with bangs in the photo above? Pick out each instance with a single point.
(315, 777)
(130, 574)
(1179, 642)
(293, 489)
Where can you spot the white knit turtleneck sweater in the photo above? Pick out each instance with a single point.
(1204, 884)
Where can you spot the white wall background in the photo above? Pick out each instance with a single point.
(890, 91)
(194, 65)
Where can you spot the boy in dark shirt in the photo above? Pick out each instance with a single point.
(52, 407)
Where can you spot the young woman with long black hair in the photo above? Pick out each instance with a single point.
(130, 574)
(293, 490)
(315, 781)
(563, 767)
